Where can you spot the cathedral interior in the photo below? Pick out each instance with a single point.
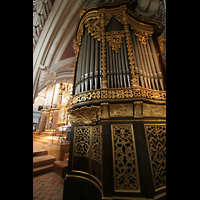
(99, 97)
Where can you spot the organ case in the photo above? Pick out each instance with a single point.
(118, 107)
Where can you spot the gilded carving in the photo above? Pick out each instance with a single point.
(82, 142)
(96, 143)
(114, 39)
(117, 93)
(142, 36)
(105, 110)
(156, 141)
(161, 39)
(150, 110)
(126, 176)
(121, 110)
(129, 48)
(138, 109)
(94, 27)
(103, 49)
(85, 115)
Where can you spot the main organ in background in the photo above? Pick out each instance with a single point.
(118, 107)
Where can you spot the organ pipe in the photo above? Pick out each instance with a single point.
(87, 63)
(119, 67)
(91, 62)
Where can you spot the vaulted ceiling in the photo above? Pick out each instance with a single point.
(54, 24)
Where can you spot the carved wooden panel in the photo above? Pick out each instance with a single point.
(82, 141)
(156, 141)
(126, 176)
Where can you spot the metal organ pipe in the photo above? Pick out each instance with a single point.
(89, 73)
(149, 66)
(153, 65)
(145, 64)
(114, 70)
(111, 67)
(87, 62)
(117, 69)
(120, 68)
(91, 62)
(100, 73)
(108, 65)
(78, 70)
(123, 65)
(126, 62)
(84, 62)
(156, 63)
(96, 65)
(135, 60)
(142, 63)
(138, 59)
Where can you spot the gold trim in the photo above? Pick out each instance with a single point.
(151, 110)
(76, 176)
(103, 49)
(80, 172)
(159, 195)
(134, 154)
(117, 93)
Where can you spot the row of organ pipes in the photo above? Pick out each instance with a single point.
(88, 74)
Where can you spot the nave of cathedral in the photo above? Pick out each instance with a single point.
(99, 99)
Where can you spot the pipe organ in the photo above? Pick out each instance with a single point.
(117, 111)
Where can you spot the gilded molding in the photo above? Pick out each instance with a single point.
(151, 110)
(121, 110)
(85, 115)
(117, 93)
